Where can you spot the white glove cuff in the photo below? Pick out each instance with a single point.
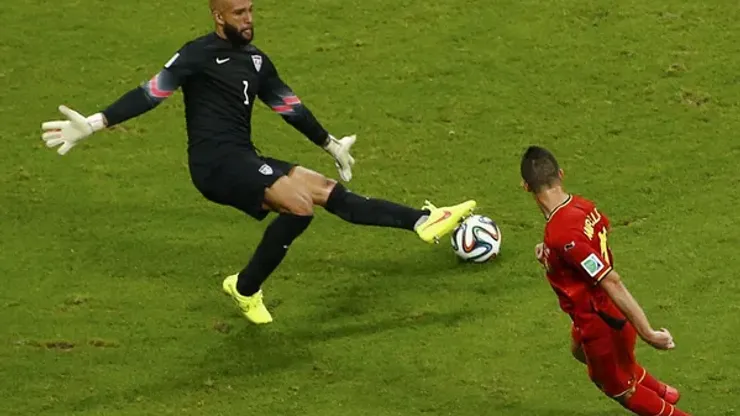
(96, 121)
(332, 146)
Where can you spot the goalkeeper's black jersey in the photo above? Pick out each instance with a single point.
(220, 82)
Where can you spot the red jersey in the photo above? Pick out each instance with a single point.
(577, 258)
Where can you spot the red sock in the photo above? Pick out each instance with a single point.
(645, 402)
(649, 381)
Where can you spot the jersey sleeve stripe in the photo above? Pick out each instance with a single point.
(154, 89)
(291, 100)
(282, 109)
(602, 275)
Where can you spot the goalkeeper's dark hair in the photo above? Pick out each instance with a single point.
(539, 169)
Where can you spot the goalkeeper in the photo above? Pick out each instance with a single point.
(221, 74)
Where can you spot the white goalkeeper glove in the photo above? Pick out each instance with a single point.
(339, 149)
(69, 132)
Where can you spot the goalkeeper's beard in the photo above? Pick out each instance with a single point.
(235, 36)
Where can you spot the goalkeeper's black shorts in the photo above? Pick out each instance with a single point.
(239, 179)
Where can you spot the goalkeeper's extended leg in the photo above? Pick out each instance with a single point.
(430, 222)
(443, 220)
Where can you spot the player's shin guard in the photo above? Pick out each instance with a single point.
(645, 402)
(362, 210)
(271, 250)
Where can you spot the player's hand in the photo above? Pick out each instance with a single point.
(69, 132)
(661, 340)
(539, 253)
(339, 149)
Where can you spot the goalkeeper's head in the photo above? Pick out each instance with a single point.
(233, 19)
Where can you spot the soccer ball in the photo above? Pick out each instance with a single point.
(477, 239)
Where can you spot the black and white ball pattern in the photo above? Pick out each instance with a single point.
(477, 239)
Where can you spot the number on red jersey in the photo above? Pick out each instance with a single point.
(582, 241)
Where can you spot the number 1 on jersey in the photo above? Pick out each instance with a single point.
(246, 92)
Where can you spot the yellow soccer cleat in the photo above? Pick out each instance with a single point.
(251, 306)
(443, 220)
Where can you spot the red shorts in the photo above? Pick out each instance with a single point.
(610, 356)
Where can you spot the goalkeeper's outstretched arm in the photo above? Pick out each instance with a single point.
(132, 104)
(141, 99)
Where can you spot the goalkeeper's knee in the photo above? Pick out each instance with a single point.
(289, 196)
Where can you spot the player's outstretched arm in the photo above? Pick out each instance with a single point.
(68, 133)
(77, 127)
(281, 98)
(612, 284)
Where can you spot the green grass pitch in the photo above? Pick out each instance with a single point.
(111, 262)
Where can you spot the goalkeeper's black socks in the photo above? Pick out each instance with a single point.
(362, 210)
(271, 250)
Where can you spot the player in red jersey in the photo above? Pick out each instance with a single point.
(606, 318)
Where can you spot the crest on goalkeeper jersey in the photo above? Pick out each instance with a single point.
(266, 170)
(257, 60)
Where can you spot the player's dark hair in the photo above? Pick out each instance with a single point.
(539, 168)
